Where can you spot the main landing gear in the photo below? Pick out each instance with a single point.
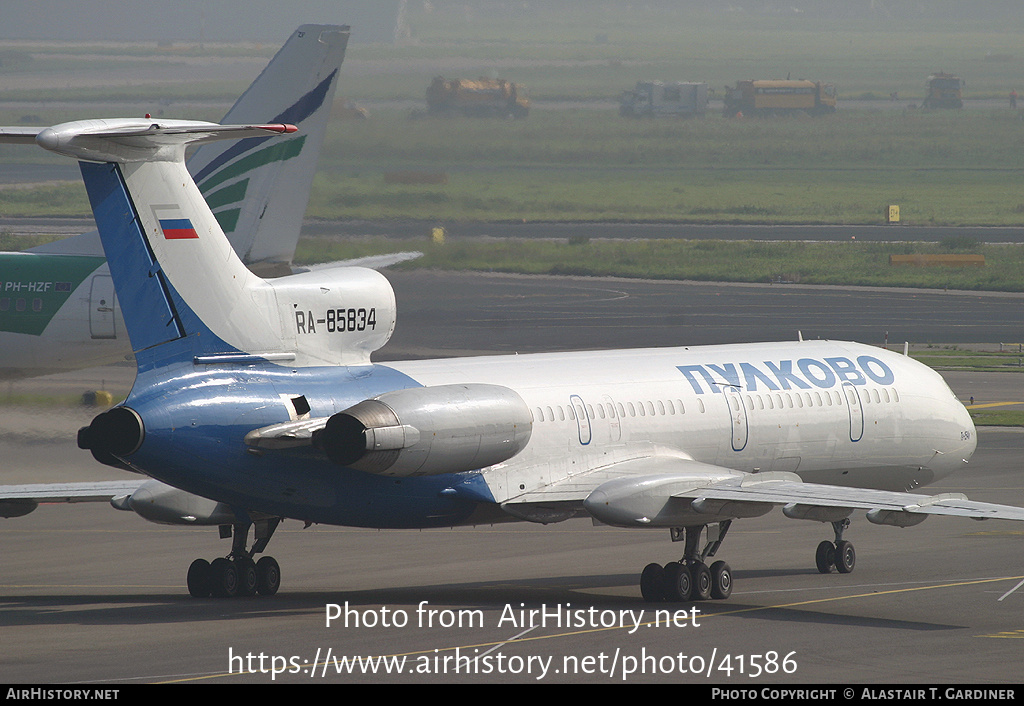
(690, 579)
(238, 574)
(839, 554)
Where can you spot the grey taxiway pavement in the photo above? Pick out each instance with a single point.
(92, 595)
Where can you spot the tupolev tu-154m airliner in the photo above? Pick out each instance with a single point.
(257, 400)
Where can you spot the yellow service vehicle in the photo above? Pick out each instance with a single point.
(944, 91)
(483, 96)
(779, 96)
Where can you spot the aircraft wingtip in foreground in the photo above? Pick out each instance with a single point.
(261, 396)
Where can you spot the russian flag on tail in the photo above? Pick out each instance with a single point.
(177, 228)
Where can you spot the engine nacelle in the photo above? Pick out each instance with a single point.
(429, 430)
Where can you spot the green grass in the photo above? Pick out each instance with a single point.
(963, 359)
(846, 263)
(998, 419)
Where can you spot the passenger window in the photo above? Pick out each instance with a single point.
(650, 408)
(682, 409)
(540, 414)
(661, 407)
(700, 406)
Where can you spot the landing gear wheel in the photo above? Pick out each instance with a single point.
(652, 583)
(198, 578)
(846, 557)
(223, 578)
(825, 557)
(721, 580)
(678, 582)
(701, 576)
(247, 583)
(268, 576)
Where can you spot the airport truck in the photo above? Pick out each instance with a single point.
(650, 98)
(779, 97)
(480, 97)
(944, 91)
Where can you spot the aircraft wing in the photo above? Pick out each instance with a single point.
(673, 491)
(18, 500)
(19, 135)
(374, 262)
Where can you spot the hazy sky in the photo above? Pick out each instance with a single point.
(182, 20)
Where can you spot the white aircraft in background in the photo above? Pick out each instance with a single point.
(58, 309)
(257, 400)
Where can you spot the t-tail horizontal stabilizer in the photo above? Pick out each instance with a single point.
(177, 277)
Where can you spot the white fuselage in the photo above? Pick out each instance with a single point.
(797, 407)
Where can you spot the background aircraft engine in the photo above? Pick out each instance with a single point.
(429, 430)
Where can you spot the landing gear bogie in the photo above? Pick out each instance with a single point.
(690, 579)
(238, 574)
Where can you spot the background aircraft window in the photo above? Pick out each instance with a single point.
(874, 393)
(661, 407)
(895, 395)
(640, 409)
(799, 400)
(561, 413)
(789, 400)
(590, 412)
(19, 305)
(539, 415)
(839, 399)
(818, 395)
(611, 410)
(682, 409)
(622, 411)
(778, 401)
(37, 304)
(551, 414)
(632, 410)
(650, 408)
(760, 402)
(671, 407)
(771, 405)
(600, 411)
(867, 396)
(885, 395)
(5, 303)
(700, 406)
(572, 414)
